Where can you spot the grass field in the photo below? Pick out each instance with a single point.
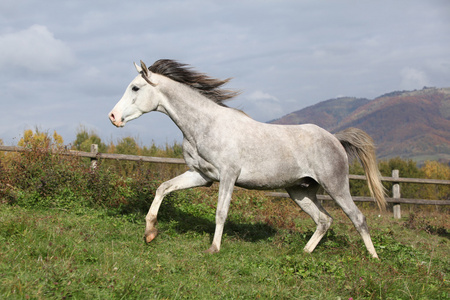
(86, 253)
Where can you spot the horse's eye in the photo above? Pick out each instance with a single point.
(135, 89)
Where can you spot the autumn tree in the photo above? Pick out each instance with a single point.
(85, 139)
(40, 139)
(128, 145)
(436, 170)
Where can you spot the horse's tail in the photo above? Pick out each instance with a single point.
(359, 144)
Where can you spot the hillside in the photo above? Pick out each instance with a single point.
(410, 124)
(326, 114)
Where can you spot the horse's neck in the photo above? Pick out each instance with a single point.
(191, 112)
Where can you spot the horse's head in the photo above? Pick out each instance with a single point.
(140, 97)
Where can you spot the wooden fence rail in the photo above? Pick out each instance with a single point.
(95, 155)
(396, 199)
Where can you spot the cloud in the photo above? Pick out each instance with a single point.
(34, 49)
(413, 79)
(260, 95)
(263, 106)
(75, 65)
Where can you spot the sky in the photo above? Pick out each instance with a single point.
(65, 64)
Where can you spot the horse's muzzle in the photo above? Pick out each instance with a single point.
(116, 120)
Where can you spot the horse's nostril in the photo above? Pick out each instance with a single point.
(111, 117)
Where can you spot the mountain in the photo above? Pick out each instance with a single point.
(409, 124)
(326, 114)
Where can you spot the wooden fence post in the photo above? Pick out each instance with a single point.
(396, 195)
(94, 149)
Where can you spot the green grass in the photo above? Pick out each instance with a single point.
(99, 254)
(69, 232)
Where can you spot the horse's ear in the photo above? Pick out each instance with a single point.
(139, 69)
(144, 68)
(146, 73)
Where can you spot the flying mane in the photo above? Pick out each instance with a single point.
(183, 73)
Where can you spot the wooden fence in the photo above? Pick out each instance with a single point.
(396, 199)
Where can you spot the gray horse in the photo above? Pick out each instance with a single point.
(225, 145)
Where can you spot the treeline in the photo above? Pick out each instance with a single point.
(38, 176)
(85, 138)
(407, 169)
(128, 145)
(38, 139)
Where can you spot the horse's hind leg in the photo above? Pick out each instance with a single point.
(345, 201)
(306, 198)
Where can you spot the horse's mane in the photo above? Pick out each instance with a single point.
(182, 73)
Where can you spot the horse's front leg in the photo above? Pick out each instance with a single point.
(225, 191)
(186, 180)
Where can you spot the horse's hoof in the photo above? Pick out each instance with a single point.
(150, 236)
(212, 250)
